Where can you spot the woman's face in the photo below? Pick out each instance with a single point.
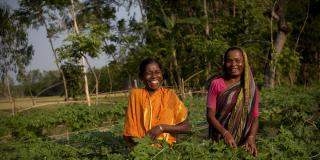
(234, 63)
(152, 77)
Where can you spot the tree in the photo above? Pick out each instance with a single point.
(15, 52)
(44, 13)
(89, 24)
(277, 13)
(304, 18)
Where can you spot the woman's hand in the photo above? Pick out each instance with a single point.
(228, 138)
(155, 132)
(251, 146)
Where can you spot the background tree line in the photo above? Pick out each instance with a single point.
(189, 38)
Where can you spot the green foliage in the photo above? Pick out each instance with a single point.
(293, 110)
(75, 117)
(78, 45)
(37, 149)
(288, 65)
(15, 51)
(289, 129)
(74, 77)
(146, 148)
(197, 37)
(98, 145)
(112, 79)
(304, 25)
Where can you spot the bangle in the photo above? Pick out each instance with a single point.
(160, 128)
(225, 132)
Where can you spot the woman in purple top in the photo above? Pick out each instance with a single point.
(232, 103)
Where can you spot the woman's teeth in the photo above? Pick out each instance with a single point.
(154, 81)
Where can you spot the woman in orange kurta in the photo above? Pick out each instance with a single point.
(154, 110)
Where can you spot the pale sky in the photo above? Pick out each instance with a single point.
(43, 58)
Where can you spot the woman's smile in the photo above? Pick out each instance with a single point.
(153, 84)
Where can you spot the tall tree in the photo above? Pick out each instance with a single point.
(76, 29)
(45, 13)
(277, 13)
(15, 52)
(89, 22)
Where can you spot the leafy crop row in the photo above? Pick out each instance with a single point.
(289, 129)
(37, 123)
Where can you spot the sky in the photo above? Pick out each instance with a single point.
(43, 58)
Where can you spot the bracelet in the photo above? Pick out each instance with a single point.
(224, 134)
(160, 128)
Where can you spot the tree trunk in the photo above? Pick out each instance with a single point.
(95, 77)
(234, 8)
(86, 87)
(176, 69)
(216, 8)
(172, 79)
(32, 99)
(110, 79)
(206, 17)
(75, 25)
(129, 84)
(182, 91)
(270, 70)
(208, 70)
(143, 15)
(66, 96)
(10, 96)
(318, 62)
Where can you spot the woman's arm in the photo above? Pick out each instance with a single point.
(254, 128)
(183, 127)
(216, 124)
(251, 140)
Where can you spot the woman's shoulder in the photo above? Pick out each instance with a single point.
(217, 81)
(167, 91)
(213, 80)
(134, 91)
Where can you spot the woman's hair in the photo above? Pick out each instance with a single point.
(231, 49)
(144, 63)
(225, 56)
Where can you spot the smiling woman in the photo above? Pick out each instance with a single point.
(232, 103)
(154, 110)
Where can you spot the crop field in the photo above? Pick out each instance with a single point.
(26, 103)
(288, 129)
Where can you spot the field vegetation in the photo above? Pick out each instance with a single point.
(289, 129)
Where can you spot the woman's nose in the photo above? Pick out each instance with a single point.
(153, 75)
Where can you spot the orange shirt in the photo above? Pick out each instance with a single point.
(145, 112)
